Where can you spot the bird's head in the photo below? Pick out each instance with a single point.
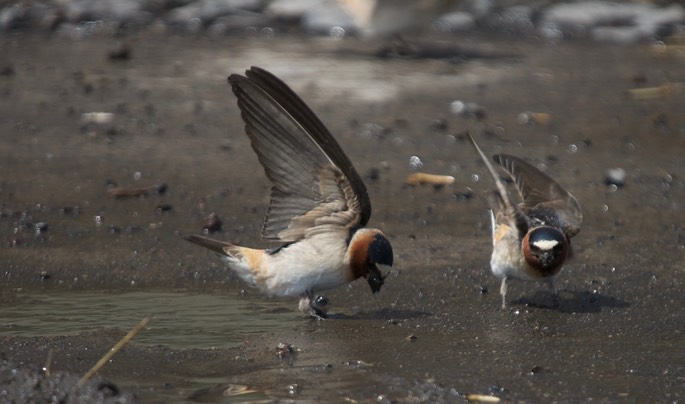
(545, 248)
(369, 249)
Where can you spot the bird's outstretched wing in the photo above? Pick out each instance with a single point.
(543, 198)
(315, 186)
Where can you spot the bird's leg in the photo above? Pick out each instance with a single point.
(320, 305)
(555, 290)
(315, 306)
(503, 292)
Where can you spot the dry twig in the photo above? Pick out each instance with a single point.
(135, 330)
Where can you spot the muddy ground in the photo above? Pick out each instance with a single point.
(436, 331)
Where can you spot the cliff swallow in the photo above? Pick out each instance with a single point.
(319, 203)
(530, 240)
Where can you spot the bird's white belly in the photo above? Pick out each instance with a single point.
(296, 280)
(504, 264)
(507, 260)
(309, 265)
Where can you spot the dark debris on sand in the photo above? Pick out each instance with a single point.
(26, 384)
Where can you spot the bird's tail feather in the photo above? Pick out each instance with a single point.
(214, 245)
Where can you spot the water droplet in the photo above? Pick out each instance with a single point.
(523, 118)
(337, 33)
(457, 107)
(551, 32)
(250, 32)
(572, 148)
(293, 389)
(194, 24)
(467, 108)
(266, 32)
(137, 176)
(217, 29)
(475, 177)
(370, 129)
(605, 208)
(415, 162)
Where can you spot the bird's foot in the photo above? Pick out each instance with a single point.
(556, 302)
(316, 307)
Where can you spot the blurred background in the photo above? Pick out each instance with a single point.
(623, 22)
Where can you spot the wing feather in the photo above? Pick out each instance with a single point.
(314, 184)
(507, 210)
(543, 198)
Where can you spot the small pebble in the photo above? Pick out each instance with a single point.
(465, 195)
(535, 370)
(211, 223)
(6, 70)
(293, 389)
(438, 125)
(615, 176)
(467, 109)
(97, 117)
(415, 163)
(370, 129)
(163, 207)
(283, 349)
(119, 52)
(373, 174)
(41, 227)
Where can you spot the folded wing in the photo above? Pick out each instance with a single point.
(543, 198)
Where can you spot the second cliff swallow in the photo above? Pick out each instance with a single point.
(531, 240)
(319, 204)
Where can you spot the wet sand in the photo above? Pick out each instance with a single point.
(436, 331)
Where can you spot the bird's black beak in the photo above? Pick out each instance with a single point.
(376, 279)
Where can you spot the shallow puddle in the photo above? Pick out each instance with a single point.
(181, 320)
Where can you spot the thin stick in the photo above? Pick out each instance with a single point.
(135, 330)
(48, 363)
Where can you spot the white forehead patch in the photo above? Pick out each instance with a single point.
(545, 244)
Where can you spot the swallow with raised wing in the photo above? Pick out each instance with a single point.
(531, 240)
(319, 203)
